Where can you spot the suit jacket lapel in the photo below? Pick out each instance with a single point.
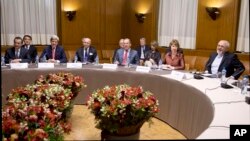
(81, 53)
(22, 52)
(212, 59)
(223, 60)
(121, 55)
(49, 53)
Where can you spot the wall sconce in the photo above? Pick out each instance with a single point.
(140, 17)
(70, 15)
(213, 12)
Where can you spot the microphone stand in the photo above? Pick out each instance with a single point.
(225, 85)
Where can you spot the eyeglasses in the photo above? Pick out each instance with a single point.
(220, 45)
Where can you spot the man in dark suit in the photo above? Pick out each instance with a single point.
(86, 53)
(17, 54)
(54, 53)
(126, 55)
(142, 49)
(224, 59)
(27, 39)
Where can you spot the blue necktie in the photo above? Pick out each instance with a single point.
(85, 56)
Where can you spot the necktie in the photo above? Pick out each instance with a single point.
(53, 53)
(85, 55)
(142, 53)
(125, 57)
(16, 54)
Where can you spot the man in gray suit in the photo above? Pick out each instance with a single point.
(126, 55)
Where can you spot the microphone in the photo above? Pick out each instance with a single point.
(225, 85)
(198, 76)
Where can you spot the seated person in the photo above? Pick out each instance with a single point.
(54, 53)
(152, 56)
(142, 49)
(126, 55)
(224, 59)
(86, 53)
(174, 59)
(17, 54)
(27, 39)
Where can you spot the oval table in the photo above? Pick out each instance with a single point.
(185, 105)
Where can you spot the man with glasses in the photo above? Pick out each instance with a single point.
(224, 59)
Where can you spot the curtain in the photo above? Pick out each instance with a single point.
(177, 20)
(34, 17)
(243, 30)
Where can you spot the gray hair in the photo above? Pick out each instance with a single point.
(54, 37)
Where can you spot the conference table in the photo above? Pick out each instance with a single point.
(199, 109)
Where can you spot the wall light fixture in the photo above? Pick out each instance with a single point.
(140, 17)
(70, 15)
(213, 12)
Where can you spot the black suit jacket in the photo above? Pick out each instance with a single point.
(138, 49)
(59, 54)
(10, 54)
(230, 62)
(32, 52)
(156, 56)
(91, 54)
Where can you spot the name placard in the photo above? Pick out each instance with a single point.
(109, 66)
(46, 65)
(142, 69)
(74, 65)
(18, 65)
(177, 75)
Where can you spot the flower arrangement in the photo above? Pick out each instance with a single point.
(67, 80)
(121, 106)
(35, 112)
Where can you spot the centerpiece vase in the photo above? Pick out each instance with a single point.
(131, 132)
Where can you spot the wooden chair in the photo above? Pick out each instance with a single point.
(200, 63)
(189, 62)
(107, 55)
(246, 65)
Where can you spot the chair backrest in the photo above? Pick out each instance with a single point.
(246, 65)
(99, 53)
(107, 54)
(200, 63)
(189, 61)
(70, 54)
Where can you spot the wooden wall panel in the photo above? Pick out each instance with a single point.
(101, 20)
(135, 30)
(209, 32)
(113, 23)
(86, 23)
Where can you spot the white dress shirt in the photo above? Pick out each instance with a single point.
(216, 63)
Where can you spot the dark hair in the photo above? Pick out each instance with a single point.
(154, 43)
(27, 36)
(18, 38)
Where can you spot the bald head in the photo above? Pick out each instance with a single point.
(121, 43)
(86, 42)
